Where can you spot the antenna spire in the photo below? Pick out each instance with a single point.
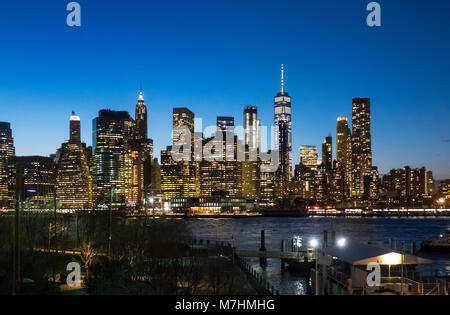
(282, 78)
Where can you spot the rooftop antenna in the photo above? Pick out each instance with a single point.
(282, 78)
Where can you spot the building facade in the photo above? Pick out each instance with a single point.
(283, 135)
(74, 182)
(7, 170)
(361, 145)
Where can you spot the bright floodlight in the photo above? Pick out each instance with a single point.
(341, 242)
(314, 243)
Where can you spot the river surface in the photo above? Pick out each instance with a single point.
(245, 234)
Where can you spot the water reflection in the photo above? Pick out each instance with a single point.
(245, 234)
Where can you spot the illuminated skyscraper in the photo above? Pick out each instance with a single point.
(327, 153)
(361, 145)
(251, 127)
(309, 156)
(283, 136)
(139, 149)
(141, 120)
(225, 122)
(36, 181)
(180, 179)
(7, 171)
(74, 182)
(171, 178)
(344, 153)
(112, 131)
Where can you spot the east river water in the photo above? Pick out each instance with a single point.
(245, 234)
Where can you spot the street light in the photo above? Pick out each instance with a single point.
(341, 242)
(314, 243)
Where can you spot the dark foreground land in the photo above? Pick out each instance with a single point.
(117, 256)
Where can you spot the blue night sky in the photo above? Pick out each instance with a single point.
(217, 56)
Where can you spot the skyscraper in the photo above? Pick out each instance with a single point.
(361, 145)
(251, 126)
(283, 135)
(225, 122)
(327, 153)
(180, 179)
(309, 156)
(183, 117)
(7, 171)
(74, 182)
(112, 131)
(141, 120)
(344, 153)
(36, 181)
(139, 149)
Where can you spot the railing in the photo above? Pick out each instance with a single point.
(259, 283)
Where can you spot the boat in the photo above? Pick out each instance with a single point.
(437, 244)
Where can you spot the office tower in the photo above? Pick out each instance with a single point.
(7, 171)
(311, 181)
(36, 181)
(75, 129)
(344, 153)
(283, 134)
(139, 149)
(221, 177)
(408, 183)
(251, 126)
(183, 117)
(336, 185)
(180, 179)
(361, 145)
(327, 153)
(153, 177)
(309, 156)
(141, 122)
(444, 189)
(74, 182)
(267, 182)
(171, 175)
(371, 184)
(112, 131)
(225, 122)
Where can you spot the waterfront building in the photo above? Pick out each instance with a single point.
(36, 181)
(7, 171)
(444, 189)
(267, 183)
(409, 185)
(283, 137)
(361, 145)
(344, 153)
(250, 177)
(371, 185)
(112, 132)
(309, 156)
(336, 185)
(180, 179)
(311, 182)
(221, 176)
(74, 181)
(171, 175)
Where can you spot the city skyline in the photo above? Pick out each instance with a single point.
(406, 83)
